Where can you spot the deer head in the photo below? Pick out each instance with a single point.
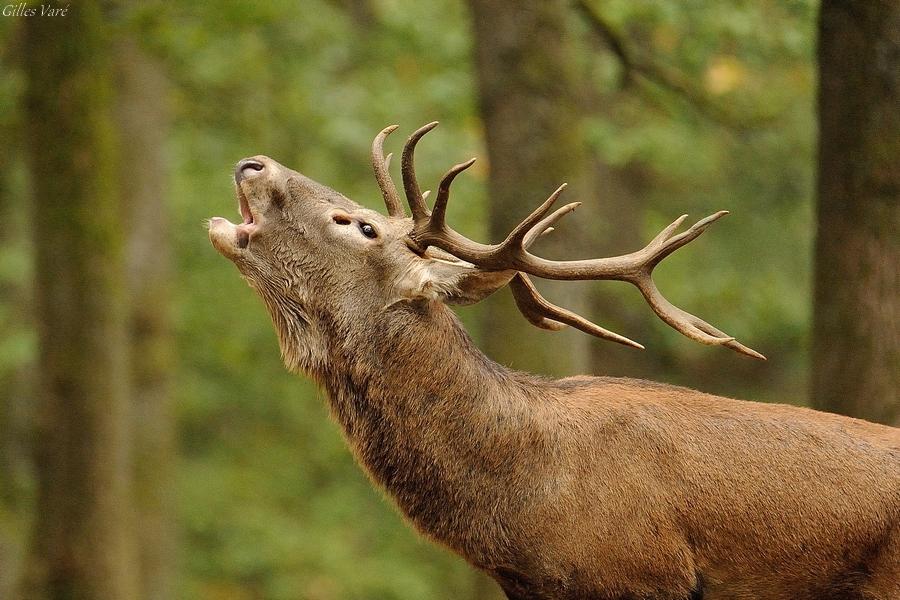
(323, 262)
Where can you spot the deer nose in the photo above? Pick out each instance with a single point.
(247, 169)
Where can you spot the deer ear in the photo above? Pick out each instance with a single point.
(449, 280)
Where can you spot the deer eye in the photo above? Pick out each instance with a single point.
(368, 230)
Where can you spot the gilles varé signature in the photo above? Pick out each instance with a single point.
(23, 9)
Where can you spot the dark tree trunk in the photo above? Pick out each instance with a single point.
(532, 112)
(617, 231)
(83, 546)
(15, 362)
(855, 368)
(143, 119)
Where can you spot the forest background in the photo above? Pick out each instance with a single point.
(151, 443)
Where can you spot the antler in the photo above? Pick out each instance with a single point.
(430, 229)
(413, 196)
(380, 163)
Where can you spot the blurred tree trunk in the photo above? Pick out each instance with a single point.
(143, 120)
(531, 105)
(856, 370)
(360, 12)
(614, 305)
(83, 544)
(15, 362)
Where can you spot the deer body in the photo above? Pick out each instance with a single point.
(579, 488)
(612, 488)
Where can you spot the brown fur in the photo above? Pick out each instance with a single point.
(586, 487)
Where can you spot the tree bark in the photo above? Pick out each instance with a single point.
(83, 545)
(530, 105)
(143, 119)
(855, 369)
(15, 363)
(618, 215)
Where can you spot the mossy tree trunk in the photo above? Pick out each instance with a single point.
(143, 120)
(855, 368)
(15, 359)
(531, 106)
(83, 544)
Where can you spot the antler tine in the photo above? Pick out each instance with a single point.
(666, 233)
(439, 211)
(687, 324)
(545, 225)
(514, 241)
(546, 315)
(663, 244)
(380, 164)
(408, 170)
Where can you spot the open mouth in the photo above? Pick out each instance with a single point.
(247, 168)
(243, 230)
(227, 236)
(244, 207)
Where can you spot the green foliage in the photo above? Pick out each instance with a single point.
(753, 61)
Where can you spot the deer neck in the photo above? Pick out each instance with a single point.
(431, 418)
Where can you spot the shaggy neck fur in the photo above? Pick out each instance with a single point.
(451, 435)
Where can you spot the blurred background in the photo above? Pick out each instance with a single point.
(151, 444)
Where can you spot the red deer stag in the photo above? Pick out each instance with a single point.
(585, 487)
